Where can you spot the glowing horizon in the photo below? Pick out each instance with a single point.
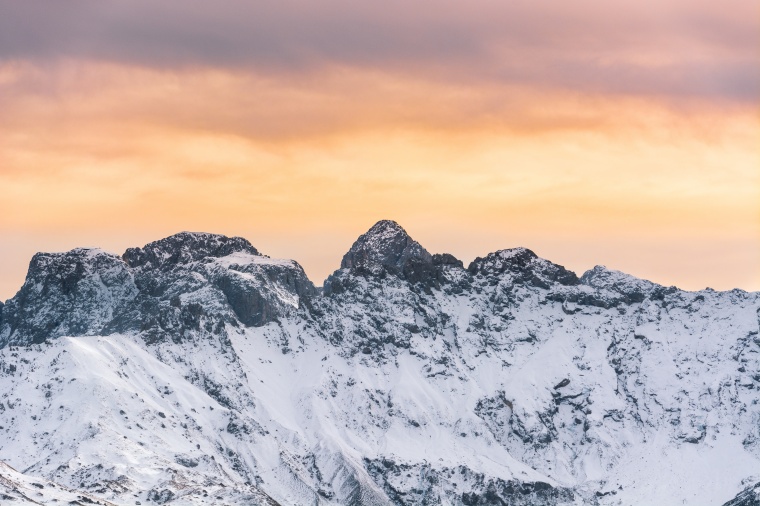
(624, 135)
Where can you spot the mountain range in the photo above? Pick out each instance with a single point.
(196, 370)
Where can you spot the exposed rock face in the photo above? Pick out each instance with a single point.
(447, 259)
(382, 294)
(386, 247)
(215, 374)
(523, 266)
(630, 288)
(184, 248)
(191, 281)
(74, 293)
(434, 486)
(188, 281)
(748, 497)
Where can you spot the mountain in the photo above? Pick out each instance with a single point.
(196, 370)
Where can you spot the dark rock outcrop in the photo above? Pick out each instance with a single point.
(186, 282)
(447, 259)
(606, 288)
(750, 496)
(184, 248)
(387, 248)
(73, 293)
(384, 261)
(631, 289)
(432, 486)
(524, 267)
(252, 290)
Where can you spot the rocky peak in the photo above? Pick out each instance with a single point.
(72, 293)
(447, 259)
(386, 247)
(185, 247)
(525, 266)
(63, 272)
(632, 288)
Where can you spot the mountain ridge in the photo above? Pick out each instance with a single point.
(217, 375)
(180, 248)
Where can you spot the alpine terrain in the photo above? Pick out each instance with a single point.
(196, 370)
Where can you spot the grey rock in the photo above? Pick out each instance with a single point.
(631, 289)
(386, 247)
(73, 293)
(427, 485)
(186, 282)
(161, 496)
(447, 259)
(184, 248)
(231, 283)
(523, 266)
(387, 251)
(750, 496)
(253, 295)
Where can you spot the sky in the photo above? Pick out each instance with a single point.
(617, 132)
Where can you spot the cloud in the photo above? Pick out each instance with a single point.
(671, 48)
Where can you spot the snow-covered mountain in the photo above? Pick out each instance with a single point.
(196, 370)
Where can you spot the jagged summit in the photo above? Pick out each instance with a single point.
(71, 293)
(385, 246)
(156, 290)
(635, 289)
(524, 265)
(186, 247)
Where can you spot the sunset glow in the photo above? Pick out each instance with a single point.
(624, 136)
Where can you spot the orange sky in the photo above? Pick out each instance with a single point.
(628, 137)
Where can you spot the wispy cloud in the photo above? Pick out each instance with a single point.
(672, 48)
